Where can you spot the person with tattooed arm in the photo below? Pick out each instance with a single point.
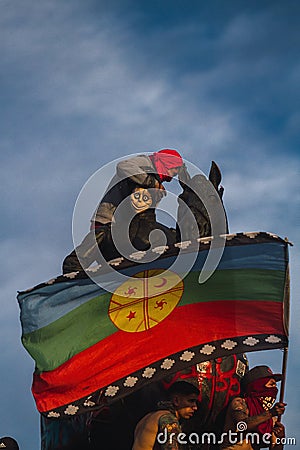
(160, 430)
(256, 413)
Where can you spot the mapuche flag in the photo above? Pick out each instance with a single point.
(91, 345)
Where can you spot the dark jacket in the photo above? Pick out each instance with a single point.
(135, 172)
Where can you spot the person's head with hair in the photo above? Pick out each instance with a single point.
(8, 443)
(167, 163)
(184, 396)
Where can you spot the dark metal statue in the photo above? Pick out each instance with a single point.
(198, 190)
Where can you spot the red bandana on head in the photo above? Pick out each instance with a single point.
(255, 394)
(166, 159)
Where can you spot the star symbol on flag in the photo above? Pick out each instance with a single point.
(131, 315)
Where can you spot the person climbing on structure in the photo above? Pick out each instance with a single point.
(138, 180)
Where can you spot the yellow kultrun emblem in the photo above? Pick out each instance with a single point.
(145, 300)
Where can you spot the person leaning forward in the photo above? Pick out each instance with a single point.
(251, 421)
(160, 430)
(133, 178)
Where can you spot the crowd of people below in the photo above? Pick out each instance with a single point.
(252, 419)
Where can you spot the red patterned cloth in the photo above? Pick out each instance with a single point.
(166, 159)
(255, 392)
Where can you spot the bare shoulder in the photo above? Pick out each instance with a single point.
(146, 430)
(151, 419)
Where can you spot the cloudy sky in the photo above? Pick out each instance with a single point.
(85, 82)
